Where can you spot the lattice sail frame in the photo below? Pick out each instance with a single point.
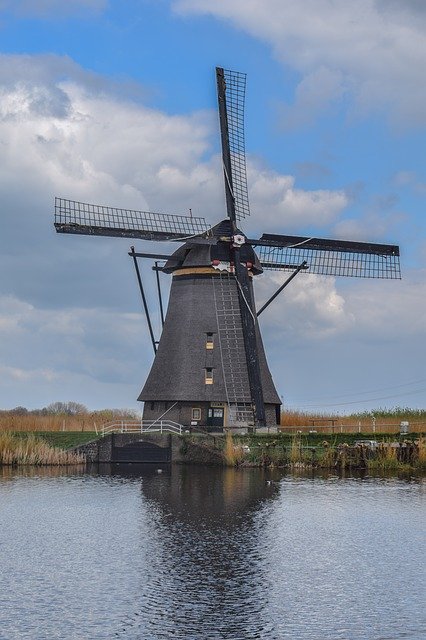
(235, 98)
(91, 219)
(355, 260)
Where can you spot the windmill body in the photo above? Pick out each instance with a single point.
(210, 367)
(199, 375)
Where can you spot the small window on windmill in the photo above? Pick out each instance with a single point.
(209, 341)
(196, 414)
(208, 375)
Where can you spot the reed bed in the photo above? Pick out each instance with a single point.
(386, 460)
(295, 452)
(39, 420)
(379, 421)
(11, 422)
(30, 450)
(421, 444)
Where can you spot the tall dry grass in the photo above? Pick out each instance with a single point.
(386, 422)
(421, 448)
(229, 450)
(11, 422)
(15, 450)
(386, 459)
(233, 452)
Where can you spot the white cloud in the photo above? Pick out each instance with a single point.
(391, 310)
(73, 138)
(315, 94)
(370, 227)
(374, 51)
(26, 375)
(310, 308)
(281, 205)
(326, 335)
(52, 345)
(313, 309)
(411, 180)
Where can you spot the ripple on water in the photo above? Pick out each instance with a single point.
(209, 554)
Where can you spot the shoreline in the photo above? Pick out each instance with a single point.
(403, 455)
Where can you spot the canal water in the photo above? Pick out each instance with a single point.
(202, 553)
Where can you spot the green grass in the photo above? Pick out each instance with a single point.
(60, 439)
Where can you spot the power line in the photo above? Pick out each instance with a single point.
(338, 404)
(360, 393)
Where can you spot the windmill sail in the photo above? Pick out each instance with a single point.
(235, 97)
(329, 257)
(97, 220)
(231, 95)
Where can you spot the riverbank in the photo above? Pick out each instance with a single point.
(403, 454)
(30, 449)
(379, 453)
(382, 455)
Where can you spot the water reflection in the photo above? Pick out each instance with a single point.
(10, 472)
(203, 565)
(201, 553)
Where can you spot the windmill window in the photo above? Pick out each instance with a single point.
(208, 375)
(196, 414)
(209, 341)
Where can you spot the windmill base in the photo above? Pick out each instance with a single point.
(212, 416)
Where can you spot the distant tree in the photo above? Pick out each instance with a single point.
(116, 414)
(66, 408)
(125, 413)
(19, 411)
(75, 408)
(56, 408)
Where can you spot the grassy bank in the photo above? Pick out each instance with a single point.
(66, 439)
(299, 451)
(30, 449)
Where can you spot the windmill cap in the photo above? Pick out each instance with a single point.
(202, 252)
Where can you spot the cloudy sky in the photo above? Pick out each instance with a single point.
(114, 102)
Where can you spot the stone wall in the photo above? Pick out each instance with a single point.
(184, 449)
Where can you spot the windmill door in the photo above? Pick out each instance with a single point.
(215, 417)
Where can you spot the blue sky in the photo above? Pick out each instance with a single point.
(114, 102)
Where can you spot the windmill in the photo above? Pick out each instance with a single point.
(210, 366)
